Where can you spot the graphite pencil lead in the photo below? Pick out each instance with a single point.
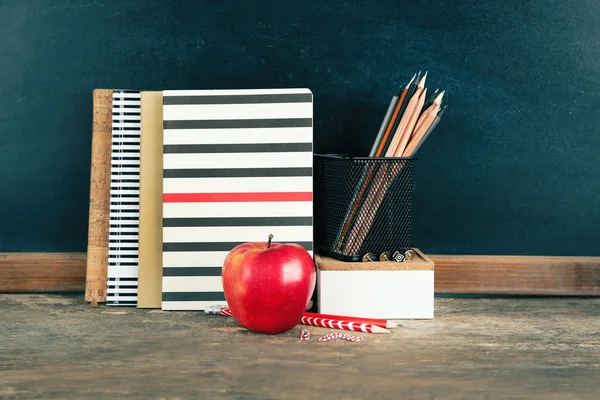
(407, 86)
(422, 83)
(417, 79)
(403, 88)
(438, 99)
(430, 99)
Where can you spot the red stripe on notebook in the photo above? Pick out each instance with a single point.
(235, 197)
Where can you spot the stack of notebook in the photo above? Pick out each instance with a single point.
(192, 175)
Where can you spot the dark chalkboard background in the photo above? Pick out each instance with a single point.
(513, 168)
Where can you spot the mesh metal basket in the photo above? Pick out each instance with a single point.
(362, 205)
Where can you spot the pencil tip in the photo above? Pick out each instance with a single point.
(411, 81)
(378, 329)
(438, 99)
(422, 83)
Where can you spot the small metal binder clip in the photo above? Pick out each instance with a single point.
(398, 257)
(409, 254)
(385, 256)
(369, 257)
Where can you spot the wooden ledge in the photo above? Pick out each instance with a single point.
(526, 275)
(454, 274)
(42, 272)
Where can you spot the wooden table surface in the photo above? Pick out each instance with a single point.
(54, 346)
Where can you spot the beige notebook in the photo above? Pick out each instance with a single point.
(150, 233)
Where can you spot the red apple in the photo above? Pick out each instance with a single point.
(268, 285)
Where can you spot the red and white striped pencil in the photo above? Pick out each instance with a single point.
(218, 309)
(345, 325)
(384, 323)
(226, 311)
(335, 323)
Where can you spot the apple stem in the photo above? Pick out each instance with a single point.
(269, 242)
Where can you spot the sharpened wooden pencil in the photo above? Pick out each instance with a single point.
(410, 108)
(394, 118)
(365, 179)
(426, 123)
(383, 323)
(344, 325)
(422, 126)
(386, 120)
(427, 109)
(430, 99)
(403, 105)
(431, 128)
(320, 321)
(407, 134)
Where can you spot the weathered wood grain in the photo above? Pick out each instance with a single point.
(466, 274)
(42, 272)
(99, 208)
(505, 349)
(533, 275)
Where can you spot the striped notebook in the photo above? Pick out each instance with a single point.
(237, 166)
(124, 200)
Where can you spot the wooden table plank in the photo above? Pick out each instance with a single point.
(501, 349)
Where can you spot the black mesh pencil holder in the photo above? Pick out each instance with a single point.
(362, 205)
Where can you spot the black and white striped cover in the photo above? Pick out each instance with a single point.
(124, 199)
(237, 166)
